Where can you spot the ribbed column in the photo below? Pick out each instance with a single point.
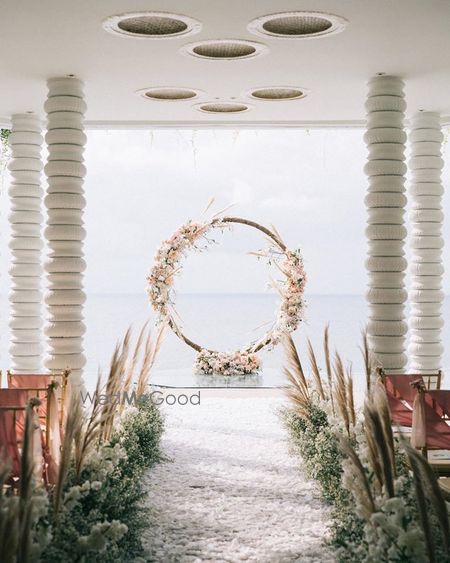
(65, 233)
(26, 243)
(426, 295)
(385, 202)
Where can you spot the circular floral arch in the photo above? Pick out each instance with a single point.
(193, 236)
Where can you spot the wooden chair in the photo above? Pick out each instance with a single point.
(41, 381)
(417, 402)
(47, 415)
(401, 394)
(10, 444)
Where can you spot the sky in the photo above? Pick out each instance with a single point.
(142, 185)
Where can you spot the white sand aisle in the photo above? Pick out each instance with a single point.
(231, 492)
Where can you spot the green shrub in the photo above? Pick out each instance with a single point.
(316, 442)
(102, 518)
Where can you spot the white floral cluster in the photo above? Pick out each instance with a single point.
(166, 264)
(233, 363)
(292, 304)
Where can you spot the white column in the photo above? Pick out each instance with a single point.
(386, 232)
(426, 295)
(65, 233)
(26, 243)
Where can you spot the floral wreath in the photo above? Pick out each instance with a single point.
(193, 236)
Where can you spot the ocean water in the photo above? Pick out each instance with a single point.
(224, 322)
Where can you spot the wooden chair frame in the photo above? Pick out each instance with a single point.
(64, 376)
(47, 415)
(427, 378)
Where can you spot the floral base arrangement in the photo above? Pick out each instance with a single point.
(229, 364)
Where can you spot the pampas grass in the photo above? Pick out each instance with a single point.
(376, 478)
(427, 486)
(315, 371)
(327, 355)
(72, 428)
(368, 359)
(86, 435)
(366, 500)
(16, 512)
(297, 390)
(337, 388)
(9, 518)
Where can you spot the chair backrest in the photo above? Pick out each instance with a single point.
(9, 448)
(401, 394)
(42, 380)
(430, 430)
(17, 400)
(432, 380)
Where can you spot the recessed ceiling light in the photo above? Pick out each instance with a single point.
(223, 107)
(224, 49)
(168, 94)
(151, 25)
(297, 25)
(277, 93)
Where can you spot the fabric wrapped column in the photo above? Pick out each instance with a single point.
(65, 233)
(426, 295)
(385, 201)
(26, 243)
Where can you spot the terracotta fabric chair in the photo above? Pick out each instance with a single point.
(53, 439)
(15, 398)
(401, 394)
(9, 449)
(48, 446)
(440, 401)
(400, 397)
(36, 385)
(41, 381)
(430, 430)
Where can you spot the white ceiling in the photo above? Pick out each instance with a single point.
(40, 39)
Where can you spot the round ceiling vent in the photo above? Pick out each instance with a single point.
(168, 94)
(223, 107)
(151, 25)
(224, 49)
(277, 93)
(298, 25)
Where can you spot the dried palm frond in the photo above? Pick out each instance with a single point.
(74, 421)
(367, 357)
(326, 350)
(380, 404)
(134, 360)
(87, 434)
(340, 390)
(375, 426)
(315, 371)
(366, 500)
(372, 448)
(297, 391)
(422, 503)
(9, 517)
(350, 396)
(148, 361)
(114, 386)
(26, 485)
(424, 474)
(209, 204)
